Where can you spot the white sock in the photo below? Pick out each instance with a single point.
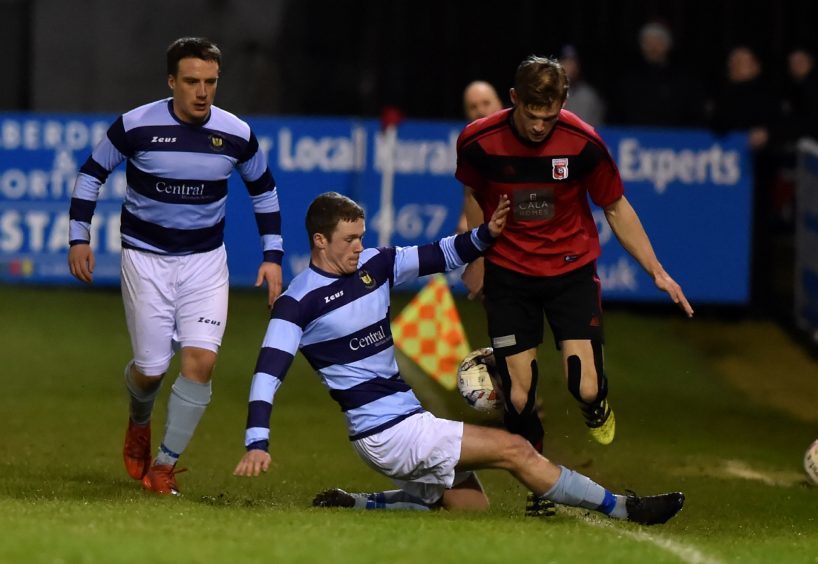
(187, 403)
(578, 490)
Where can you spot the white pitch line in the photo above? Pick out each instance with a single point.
(684, 552)
(740, 469)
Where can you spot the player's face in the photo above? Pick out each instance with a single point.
(194, 88)
(345, 246)
(535, 122)
(479, 101)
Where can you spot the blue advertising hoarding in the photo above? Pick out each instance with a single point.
(693, 192)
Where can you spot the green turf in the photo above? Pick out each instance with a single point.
(680, 425)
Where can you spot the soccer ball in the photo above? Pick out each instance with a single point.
(476, 381)
(811, 462)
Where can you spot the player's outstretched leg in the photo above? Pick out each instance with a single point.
(484, 447)
(573, 488)
(392, 499)
(465, 494)
(136, 452)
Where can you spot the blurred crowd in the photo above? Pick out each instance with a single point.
(657, 92)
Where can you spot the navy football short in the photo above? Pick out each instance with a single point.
(515, 305)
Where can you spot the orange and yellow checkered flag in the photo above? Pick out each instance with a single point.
(429, 331)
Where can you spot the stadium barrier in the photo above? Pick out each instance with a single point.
(692, 190)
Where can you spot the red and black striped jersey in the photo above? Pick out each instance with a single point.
(551, 229)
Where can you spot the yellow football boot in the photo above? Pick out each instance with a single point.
(600, 421)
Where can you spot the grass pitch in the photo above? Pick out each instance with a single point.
(718, 409)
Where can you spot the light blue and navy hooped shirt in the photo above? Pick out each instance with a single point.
(341, 325)
(177, 181)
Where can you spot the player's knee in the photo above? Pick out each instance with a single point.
(519, 452)
(198, 363)
(149, 371)
(590, 389)
(521, 379)
(139, 384)
(519, 398)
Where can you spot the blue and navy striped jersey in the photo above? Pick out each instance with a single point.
(341, 325)
(177, 181)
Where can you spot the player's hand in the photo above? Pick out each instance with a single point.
(270, 273)
(81, 262)
(473, 278)
(667, 284)
(498, 219)
(253, 463)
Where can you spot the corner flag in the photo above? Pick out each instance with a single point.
(429, 331)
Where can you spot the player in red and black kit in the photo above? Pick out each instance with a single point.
(548, 161)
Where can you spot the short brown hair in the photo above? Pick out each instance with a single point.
(540, 82)
(196, 47)
(326, 210)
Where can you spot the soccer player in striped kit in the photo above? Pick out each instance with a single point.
(180, 153)
(336, 313)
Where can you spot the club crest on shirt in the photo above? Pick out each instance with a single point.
(559, 168)
(368, 281)
(216, 142)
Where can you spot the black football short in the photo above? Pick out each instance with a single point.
(515, 305)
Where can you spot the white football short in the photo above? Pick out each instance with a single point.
(173, 300)
(419, 454)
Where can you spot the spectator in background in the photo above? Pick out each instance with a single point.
(480, 99)
(799, 119)
(583, 99)
(746, 101)
(655, 91)
(800, 100)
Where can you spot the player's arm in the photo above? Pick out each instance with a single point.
(277, 352)
(450, 252)
(628, 229)
(472, 210)
(468, 220)
(473, 275)
(263, 192)
(110, 151)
